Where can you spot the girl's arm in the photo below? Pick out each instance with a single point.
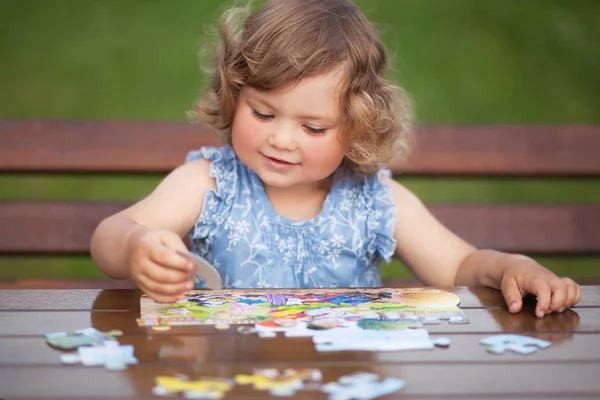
(438, 257)
(432, 252)
(171, 209)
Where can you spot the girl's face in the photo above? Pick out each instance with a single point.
(292, 137)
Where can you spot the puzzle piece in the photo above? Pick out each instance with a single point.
(204, 270)
(372, 340)
(520, 344)
(204, 388)
(113, 356)
(361, 386)
(458, 320)
(81, 337)
(431, 321)
(441, 342)
(277, 384)
(93, 348)
(388, 324)
(313, 312)
(246, 330)
(64, 341)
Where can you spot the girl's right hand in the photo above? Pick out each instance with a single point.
(155, 266)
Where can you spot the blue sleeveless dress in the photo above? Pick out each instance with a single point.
(252, 246)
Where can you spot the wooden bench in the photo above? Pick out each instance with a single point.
(117, 147)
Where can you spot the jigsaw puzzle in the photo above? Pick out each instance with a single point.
(283, 307)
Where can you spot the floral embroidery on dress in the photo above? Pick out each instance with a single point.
(253, 247)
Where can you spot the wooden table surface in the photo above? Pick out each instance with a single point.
(30, 369)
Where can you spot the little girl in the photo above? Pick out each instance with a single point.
(297, 197)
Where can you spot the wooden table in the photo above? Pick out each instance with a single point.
(30, 369)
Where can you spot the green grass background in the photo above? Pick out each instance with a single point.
(462, 61)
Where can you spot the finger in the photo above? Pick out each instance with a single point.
(578, 295)
(157, 296)
(512, 295)
(571, 293)
(163, 274)
(559, 295)
(171, 290)
(541, 289)
(166, 256)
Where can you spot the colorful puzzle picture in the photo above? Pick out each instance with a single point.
(276, 308)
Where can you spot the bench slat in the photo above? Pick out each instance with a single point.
(61, 227)
(98, 146)
(158, 146)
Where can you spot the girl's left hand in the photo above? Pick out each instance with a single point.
(525, 276)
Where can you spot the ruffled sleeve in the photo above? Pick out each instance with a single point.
(217, 203)
(381, 216)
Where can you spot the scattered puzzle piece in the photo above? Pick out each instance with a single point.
(113, 356)
(375, 340)
(81, 337)
(64, 341)
(204, 388)
(93, 348)
(161, 328)
(441, 342)
(430, 321)
(246, 330)
(498, 344)
(267, 334)
(361, 386)
(284, 384)
(358, 386)
(458, 320)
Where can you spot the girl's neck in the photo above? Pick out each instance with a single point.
(301, 202)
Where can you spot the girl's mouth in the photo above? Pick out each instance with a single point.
(277, 163)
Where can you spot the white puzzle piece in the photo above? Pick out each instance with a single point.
(204, 270)
(497, 344)
(361, 386)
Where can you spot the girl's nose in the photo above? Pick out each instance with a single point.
(283, 139)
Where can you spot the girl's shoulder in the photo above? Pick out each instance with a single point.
(363, 185)
(220, 155)
(221, 167)
(219, 162)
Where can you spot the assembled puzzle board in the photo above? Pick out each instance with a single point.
(212, 307)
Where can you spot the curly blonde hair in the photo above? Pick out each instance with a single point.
(286, 40)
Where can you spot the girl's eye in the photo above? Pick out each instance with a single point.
(262, 117)
(315, 131)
